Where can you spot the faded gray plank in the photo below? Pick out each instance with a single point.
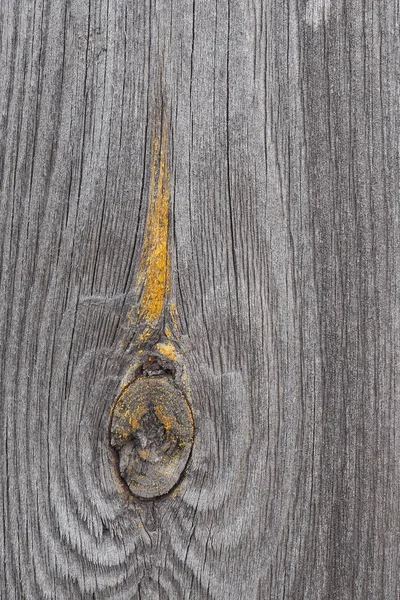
(286, 266)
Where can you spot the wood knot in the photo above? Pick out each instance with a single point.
(152, 433)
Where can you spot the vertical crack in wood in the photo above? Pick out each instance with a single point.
(151, 428)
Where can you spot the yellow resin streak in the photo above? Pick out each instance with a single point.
(153, 278)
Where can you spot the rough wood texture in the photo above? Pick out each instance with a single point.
(285, 191)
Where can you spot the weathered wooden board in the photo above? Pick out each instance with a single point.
(285, 198)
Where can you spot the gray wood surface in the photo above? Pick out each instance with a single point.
(285, 190)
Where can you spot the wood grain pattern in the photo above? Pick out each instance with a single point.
(284, 186)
